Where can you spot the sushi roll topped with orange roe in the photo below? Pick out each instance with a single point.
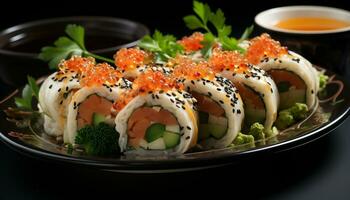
(296, 79)
(257, 89)
(220, 107)
(156, 116)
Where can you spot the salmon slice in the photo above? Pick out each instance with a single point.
(283, 76)
(205, 104)
(142, 118)
(250, 97)
(93, 104)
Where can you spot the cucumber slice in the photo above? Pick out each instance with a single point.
(203, 117)
(97, 118)
(253, 115)
(204, 131)
(171, 139)
(288, 99)
(154, 132)
(157, 144)
(217, 131)
(173, 128)
(217, 120)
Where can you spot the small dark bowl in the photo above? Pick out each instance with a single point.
(20, 45)
(328, 48)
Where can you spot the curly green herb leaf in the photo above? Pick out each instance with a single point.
(65, 47)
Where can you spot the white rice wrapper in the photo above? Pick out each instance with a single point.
(109, 92)
(298, 65)
(54, 96)
(224, 93)
(179, 104)
(258, 80)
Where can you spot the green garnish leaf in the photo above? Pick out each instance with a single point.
(222, 32)
(247, 32)
(163, 46)
(31, 89)
(77, 33)
(193, 22)
(65, 47)
(33, 86)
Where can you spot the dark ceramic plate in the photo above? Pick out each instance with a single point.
(332, 109)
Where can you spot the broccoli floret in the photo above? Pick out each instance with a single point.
(289, 116)
(98, 140)
(323, 80)
(243, 139)
(257, 131)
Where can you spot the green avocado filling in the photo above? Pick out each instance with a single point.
(291, 115)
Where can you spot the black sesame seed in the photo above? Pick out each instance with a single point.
(209, 93)
(238, 111)
(50, 86)
(59, 90)
(188, 137)
(189, 128)
(312, 91)
(233, 110)
(221, 102)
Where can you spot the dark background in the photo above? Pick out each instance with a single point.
(319, 170)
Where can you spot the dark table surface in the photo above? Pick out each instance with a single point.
(318, 170)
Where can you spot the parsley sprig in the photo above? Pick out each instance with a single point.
(67, 46)
(163, 46)
(205, 18)
(31, 89)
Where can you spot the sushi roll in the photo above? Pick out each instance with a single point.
(156, 117)
(220, 107)
(92, 103)
(296, 79)
(56, 92)
(258, 91)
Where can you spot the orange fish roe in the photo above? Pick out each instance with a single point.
(190, 69)
(149, 81)
(77, 64)
(228, 60)
(100, 74)
(193, 42)
(262, 46)
(128, 59)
